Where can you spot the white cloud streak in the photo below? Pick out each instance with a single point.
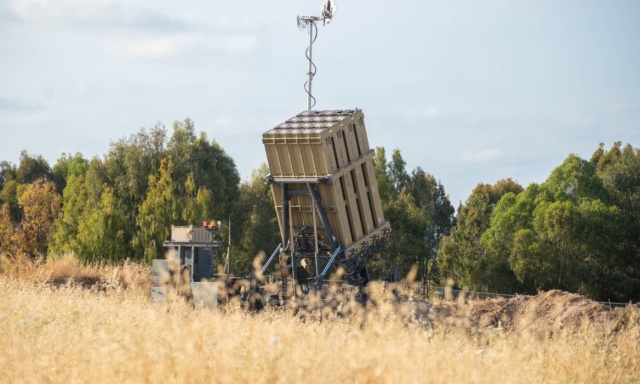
(430, 112)
(163, 47)
(482, 156)
(621, 108)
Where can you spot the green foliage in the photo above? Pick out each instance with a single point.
(32, 168)
(254, 223)
(7, 173)
(9, 197)
(102, 231)
(409, 223)
(563, 234)
(619, 169)
(382, 174)
(159, 211)
(75, 199)
(461, 255)
(420, 215)
(126, 191)
(397, 172)
(68, 166)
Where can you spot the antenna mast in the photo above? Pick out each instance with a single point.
(329, 9)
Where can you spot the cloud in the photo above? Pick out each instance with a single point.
(163, 47)
(159, 47)
(428, 112)
(24, 120)
(222, 122)
(10, 105)
(94, 13)
(136, 14)
(578, 122)
(482, 156)
(238, 44)
(621, 108)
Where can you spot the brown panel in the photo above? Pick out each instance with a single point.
(361, 132)
(297, 168)
(352, 140)
(285, 161)
(272, 159)
(277, 200)
(308, 161)
(375, 196)
(352, 207)
(320, 158)
(330, 154)
(363, 198)
(344, 235)
(341, 150)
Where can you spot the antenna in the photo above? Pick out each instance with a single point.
(329, 9)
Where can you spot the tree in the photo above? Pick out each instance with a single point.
(619, 169)
(215, 170)
(68, 166)
(397, 173)
(461, 255)
(407, 246)
(7, 173)
(564, 234)
(254, 221)
(32, 168)
(102, 231)
(9, 197)
(430, 197)
(75, 199)
(159, 211)
(8, 241)
(381, 170)
(41, 205)
(407, 201)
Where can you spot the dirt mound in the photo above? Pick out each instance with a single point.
(544, 315)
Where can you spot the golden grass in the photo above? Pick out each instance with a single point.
(65, 332)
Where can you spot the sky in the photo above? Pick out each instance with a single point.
(471, 91)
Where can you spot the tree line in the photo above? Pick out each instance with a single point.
(579, 230)
(122, 205)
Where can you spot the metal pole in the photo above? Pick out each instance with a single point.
(294, 281)
(315, 235)
(330, 263)
(310, 73)
(273, 255)
(228, 269)
(285, 216)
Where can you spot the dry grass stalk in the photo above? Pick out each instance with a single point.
(62, 333)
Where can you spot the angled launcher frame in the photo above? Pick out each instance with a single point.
(325, 194)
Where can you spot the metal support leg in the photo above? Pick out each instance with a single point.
(329, 264)
(273, 255)
(294, 277)
(323, 217)
(285, 214)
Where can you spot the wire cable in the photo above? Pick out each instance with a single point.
(310, 24)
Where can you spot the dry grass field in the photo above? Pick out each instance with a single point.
(62, 323)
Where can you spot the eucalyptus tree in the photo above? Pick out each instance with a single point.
(461, 255)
